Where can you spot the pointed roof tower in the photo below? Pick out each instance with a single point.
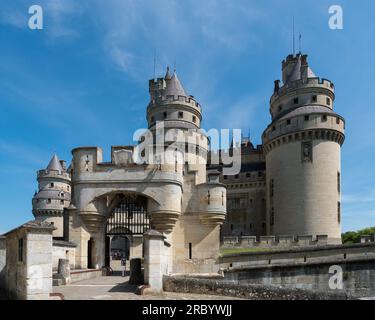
(174, 86)
(55, 164)
(168, 75)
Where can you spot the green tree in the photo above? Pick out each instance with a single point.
(354, 236)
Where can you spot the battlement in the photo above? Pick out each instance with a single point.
(274, 241)
(53, 174)
(303, 84)
(165, 100)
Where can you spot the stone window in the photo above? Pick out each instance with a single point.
(62, 202)
(339, 182)
(273, 128)
(250, 226)
(339, 212)
(328, 101)
(49, 201)
(165, 115)
(272, 187)
(51, 185)
(180, 115)
(225, 177)
(288, 122)
(337, 120)
(295, 100)
(194, 119)
(236, 176)
(324, 118)
(272, 220)
(20, 249)
(248, 175)
(307, 151)
(190, 251)
(280, 107)
(314, 98)
(306, 118)
(68, 188)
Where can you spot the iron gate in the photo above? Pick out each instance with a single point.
(129, 217)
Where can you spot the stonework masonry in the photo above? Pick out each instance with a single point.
(29, 261)
(291, 184)
(287, 193)
(2, 261)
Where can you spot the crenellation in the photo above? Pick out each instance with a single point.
(282, 241)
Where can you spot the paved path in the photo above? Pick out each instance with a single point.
(118, 288)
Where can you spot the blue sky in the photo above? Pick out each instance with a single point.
(83, 79)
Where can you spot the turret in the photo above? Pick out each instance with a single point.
(54, 194)
(170, 103)
(302, 146)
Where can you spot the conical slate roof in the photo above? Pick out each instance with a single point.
(296, 72)
(168, 75)
(310, 73)
(174, 87)
(55, 164)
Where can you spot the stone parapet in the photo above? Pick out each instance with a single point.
(274, 241)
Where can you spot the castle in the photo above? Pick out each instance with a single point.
(289, 185)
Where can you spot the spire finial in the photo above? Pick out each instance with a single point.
(168, 74)
(294, 40)
(154, 63)
(300, 43)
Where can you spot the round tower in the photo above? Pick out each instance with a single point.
(180, 115)
(302, 146)
(171, 104)
(54, 194)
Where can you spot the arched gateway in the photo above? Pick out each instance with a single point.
(126, 224)
(182, 200)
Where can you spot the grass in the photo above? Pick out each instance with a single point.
(241, 250)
